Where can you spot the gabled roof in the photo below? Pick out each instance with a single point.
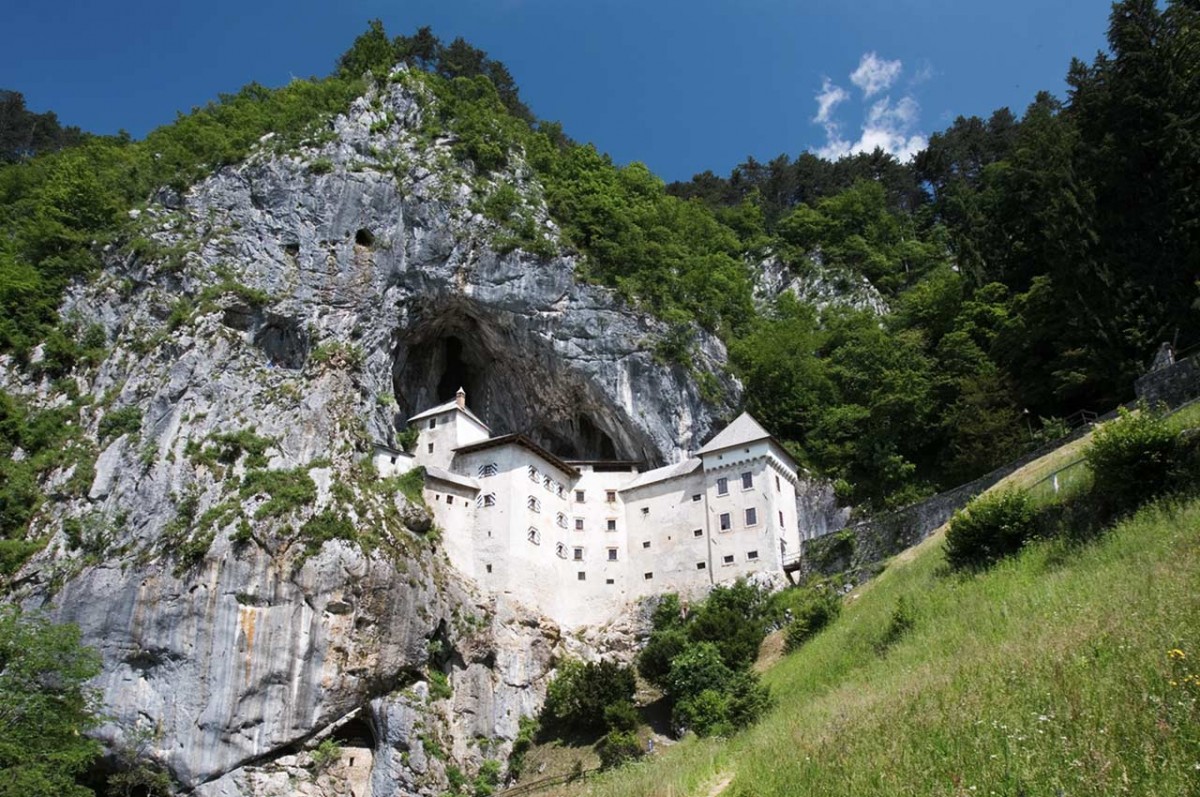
(742, 431)
(524, 442)
(449, 405)
(663, 474)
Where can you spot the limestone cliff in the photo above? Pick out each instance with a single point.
(251, 586)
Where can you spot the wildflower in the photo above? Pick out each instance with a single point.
(1176, 654)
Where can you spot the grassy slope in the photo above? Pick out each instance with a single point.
(1048, 673)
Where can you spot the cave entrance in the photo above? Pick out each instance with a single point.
(355, 732)
(514, 382)
(455, 371)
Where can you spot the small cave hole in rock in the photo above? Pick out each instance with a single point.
(364, 237)
(284, 341)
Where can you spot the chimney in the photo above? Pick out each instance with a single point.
(461, 399)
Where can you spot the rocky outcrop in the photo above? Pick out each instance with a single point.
(251, 587)
(816, 283)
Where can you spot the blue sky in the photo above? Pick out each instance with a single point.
(682, 85)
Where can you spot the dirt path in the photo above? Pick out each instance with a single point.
(721, 784)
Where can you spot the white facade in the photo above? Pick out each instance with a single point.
(578, 541)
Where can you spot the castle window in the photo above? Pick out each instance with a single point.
(610, 496)
(489, 469)
(489, 568)
(697, 532)
(581, 576)
(449, 499)
(612, 554)
(777, 487)
(534, 476)
(752, 555)
(722, 486)
(726, 524)
(533, 503)
(579, 524)
(646, 544)
(647, 576)
(751, 516)
(781, 517)
(645, 511)
(747, 480)
(433, 423)
(488, 499)
(429, 448)
(393, 460)
(579, 496)
(701, 565)
(561, 550)
(548, 483)
(696, 497)
(727, 559)
(534, 536)
(561, 520)
(577, 554)
(612, 524)
(558, 490)
(609, 581)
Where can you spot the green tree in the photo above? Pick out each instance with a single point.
(45, 707)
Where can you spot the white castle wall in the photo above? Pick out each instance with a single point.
(595, 540)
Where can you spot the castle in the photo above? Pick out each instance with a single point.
(579, 540)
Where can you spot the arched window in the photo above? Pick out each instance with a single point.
(534, 504)
(488, 499)
(561, 520)
(561, 550)
(489, 469)
(534, 536)
(534, 476)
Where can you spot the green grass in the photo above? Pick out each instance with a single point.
(1049, 672)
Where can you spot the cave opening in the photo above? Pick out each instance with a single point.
(514, 382)
(455, 371)
(355, 732)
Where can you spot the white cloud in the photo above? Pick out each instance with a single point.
(875, 74)
(830, 96)
(887, 125)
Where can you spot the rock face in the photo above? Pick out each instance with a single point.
(817, 283)
(252, 587)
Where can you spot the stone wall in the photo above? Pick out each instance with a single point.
(863, 544)
(1172, 384)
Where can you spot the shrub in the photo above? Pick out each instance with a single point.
(325, 755)
(407, 439)
(412, 485)
(819, 610)
(439, 685)
(901, 622)
(990, 528)
(733, 619)
(487, 778)
(654, 662)
(127, 420)
(621, 716)
(527, 730)
(579, 695)
(1132, 459)
(286, 490)
(321, 166)
(617, 747)
(323, 527)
